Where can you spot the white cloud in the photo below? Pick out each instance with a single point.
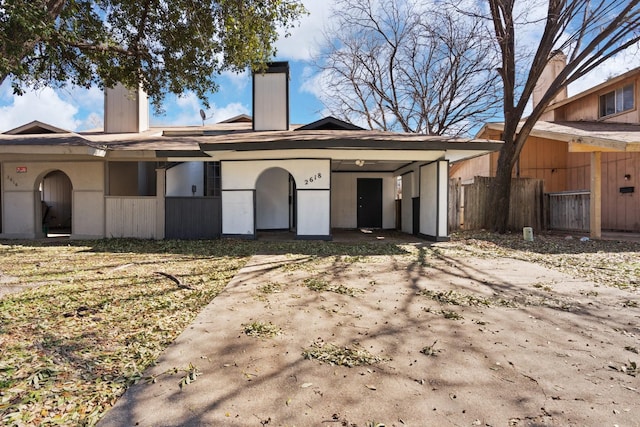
(238, 81)
(189, 101)
(44, 105)
(304, 40)
(620, 64)
(228, 111)
(91, 99)
(185, 111)
(314, 82)
(93, 121)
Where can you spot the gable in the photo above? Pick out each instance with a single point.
(35, 128)
(330, 123)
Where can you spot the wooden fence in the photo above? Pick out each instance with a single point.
(131, 217)
(568, 210)
(455, 211)
(526, 204)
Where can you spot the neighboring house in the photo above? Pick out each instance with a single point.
(231, 179)
(588, 143)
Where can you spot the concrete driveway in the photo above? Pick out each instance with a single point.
(448, 340)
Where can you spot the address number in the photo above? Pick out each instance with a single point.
(313, 178)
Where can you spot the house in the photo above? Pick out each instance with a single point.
(231, 179)
(585, 147)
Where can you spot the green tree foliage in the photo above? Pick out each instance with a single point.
(167, 45)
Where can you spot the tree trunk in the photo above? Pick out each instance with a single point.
(497, 214)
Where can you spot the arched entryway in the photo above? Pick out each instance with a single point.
(56, 205)
(275, 201)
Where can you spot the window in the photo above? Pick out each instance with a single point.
(212, 182)
(617, 101)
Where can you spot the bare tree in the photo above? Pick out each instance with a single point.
(590, 32)
(402, 66)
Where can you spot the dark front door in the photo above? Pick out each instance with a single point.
(369, 202)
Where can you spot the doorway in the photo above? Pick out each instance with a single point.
(56, 200)
(275, 201)
(369, 196)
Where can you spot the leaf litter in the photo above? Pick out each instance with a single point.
(101, 314)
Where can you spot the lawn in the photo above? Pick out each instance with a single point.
(96, 314)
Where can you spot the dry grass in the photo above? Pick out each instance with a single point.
(94, 315)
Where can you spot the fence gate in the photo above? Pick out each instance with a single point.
(568, 210)
(192, 217)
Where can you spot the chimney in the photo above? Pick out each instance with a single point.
(271, 97)
(556, 64)
(125, 110)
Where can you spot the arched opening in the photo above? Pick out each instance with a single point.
(275, 201)
(56, 194)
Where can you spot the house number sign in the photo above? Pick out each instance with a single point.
(21, 169)
(313, 178)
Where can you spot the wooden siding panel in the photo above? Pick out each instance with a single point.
(546, 160)
(619, 211)
(131, 217)
(468, 169)
(193, 217)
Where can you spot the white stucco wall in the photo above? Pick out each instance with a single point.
(181, 177)
(241, 177)
(344, 209)
(313, 213)
(308, 173)
(433, 199)
(272, 200)
(407, 202)
(443, 199)
(237, 212)
(21, 202)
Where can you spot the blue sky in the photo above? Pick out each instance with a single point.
(80, 109)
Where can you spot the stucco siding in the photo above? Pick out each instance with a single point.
(313, 213)
(22, 211)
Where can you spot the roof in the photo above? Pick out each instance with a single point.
(586, 136)
(237, 136)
